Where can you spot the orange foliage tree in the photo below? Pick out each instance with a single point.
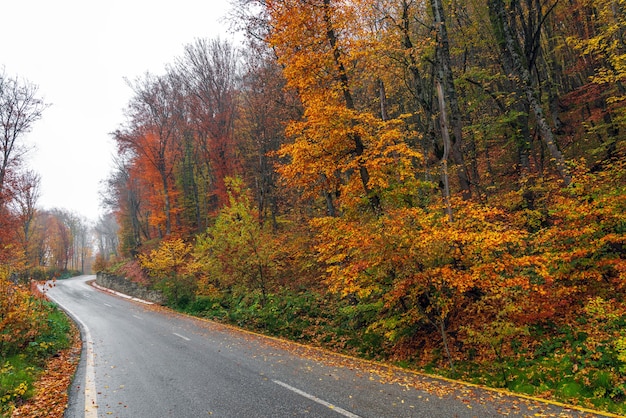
(154, 122)
(340, 148)
(208, 71)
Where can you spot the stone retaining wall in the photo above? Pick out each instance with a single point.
(123, 285)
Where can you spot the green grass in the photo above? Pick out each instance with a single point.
(564, 367)
(19, 372)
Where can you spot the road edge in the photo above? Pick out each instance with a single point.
(85, 366)
(391, 367)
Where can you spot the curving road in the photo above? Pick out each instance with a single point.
(144, 361)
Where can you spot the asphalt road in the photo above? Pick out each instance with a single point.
(144, 361)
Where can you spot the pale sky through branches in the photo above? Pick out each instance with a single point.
(79, 52)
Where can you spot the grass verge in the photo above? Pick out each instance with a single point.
(559, 363)
(21, 374)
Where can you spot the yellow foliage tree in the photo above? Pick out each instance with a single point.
(173, 268)
(237, 250)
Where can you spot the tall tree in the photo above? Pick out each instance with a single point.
(155, 116)
(501, 18)
(209, 70)
(265, 106)
(342, 149)
(125, 197)
(446, 78)
(106, 234)
(19, 109)
(26, 192)
(600, 40)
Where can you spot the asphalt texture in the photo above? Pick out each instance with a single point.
(140, 361)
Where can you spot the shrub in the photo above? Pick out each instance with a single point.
(21, 316)
(22, 364)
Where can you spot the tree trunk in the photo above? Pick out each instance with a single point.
(521, 73)
(330, 206)
(447, 78)
(384, 115)
(446, 150)
(359, 147)
(446, 346)
(168, 206)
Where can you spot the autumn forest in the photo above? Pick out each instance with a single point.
(438, 184)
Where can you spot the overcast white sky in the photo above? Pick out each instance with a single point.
(78, 52)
